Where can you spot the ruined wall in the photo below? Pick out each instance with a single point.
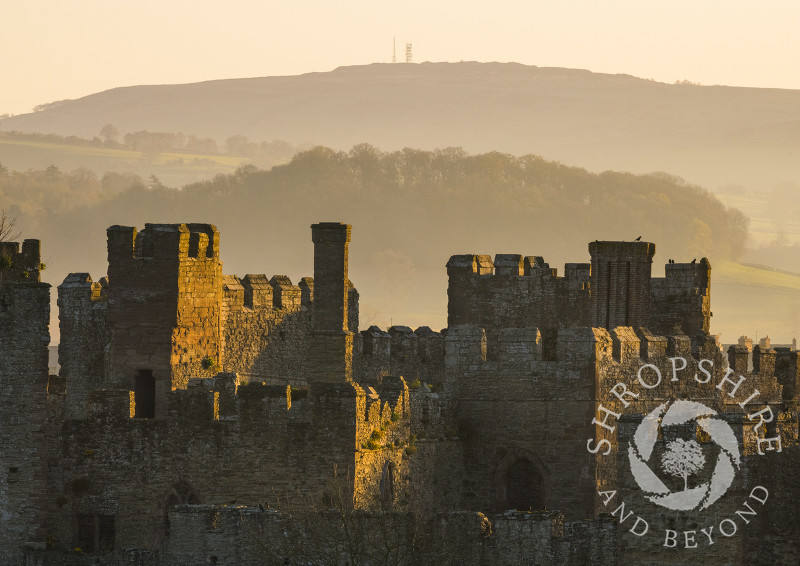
(24, 337)
(383, 439)
(251, 536)
(164, 304)
(217, 443)
(516, 292)
(221, 442)
(83, 352)
(616, 289)
(497, 417)
(210, 534)
(416, 355)
(619, 355)
(523, 417)
(266, 328)
(682, 299)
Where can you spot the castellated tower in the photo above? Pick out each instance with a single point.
(164, 305)
(332, 348)
(24, 337)
(621, 283)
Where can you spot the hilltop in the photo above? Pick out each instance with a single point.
(711, 135)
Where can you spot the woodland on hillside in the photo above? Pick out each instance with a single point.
(410, 210)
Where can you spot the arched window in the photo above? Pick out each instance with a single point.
(387, 483)
(180, 493)
(521, 481)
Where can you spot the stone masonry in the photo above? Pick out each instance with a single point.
(204, 418)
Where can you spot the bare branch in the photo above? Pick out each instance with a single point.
(8, 233)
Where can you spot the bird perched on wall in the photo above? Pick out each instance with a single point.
(694, 260)
(639, 239)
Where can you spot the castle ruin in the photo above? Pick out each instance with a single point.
(197, 416)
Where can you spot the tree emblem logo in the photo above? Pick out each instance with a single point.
(683, 458)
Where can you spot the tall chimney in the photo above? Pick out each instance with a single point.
(621, 283)
(332, 348)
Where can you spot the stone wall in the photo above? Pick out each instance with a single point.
(241, 535)
(417, 355)
(523, 415)
(24, 337)
(515, 292)
(164, 305)
(682, 299)
(320, 421)
(616, 289)
(83, 352)
(266, 329)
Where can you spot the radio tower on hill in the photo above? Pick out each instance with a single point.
(394, 50)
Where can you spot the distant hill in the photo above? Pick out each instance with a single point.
(712, 135)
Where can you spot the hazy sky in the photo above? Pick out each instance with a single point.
(56, 49)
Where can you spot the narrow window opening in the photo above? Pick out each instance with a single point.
(95, 533)
(84, 533)
(106, 533)
(172, 500)
(387, 483)
(145, 395)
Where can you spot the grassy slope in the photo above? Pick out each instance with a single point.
(753, 300)
(172, 168)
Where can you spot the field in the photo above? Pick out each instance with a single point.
(755, 301)
(172, 168)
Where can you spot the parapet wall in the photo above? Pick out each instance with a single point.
(416, 355)
(84, 349)
(266, 328)
(251, 536)
(21, 266)
(227, 441)
(164, 304)
(682, 299)
(513, 291)
(24, 431)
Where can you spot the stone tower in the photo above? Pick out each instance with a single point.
(620, 283)
(332, 349)
(24, 338)
(164, 305)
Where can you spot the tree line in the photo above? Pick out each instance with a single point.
(410, 210)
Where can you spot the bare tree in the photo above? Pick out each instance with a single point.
(683, 458)
(8, 231)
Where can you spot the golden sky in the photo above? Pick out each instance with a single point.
(57, 49)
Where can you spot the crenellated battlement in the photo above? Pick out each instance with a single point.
(516, 291)
(163, 242)
(503, 265)
(681, 300)
(615, 289)
(417, 355)
(81, 286)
